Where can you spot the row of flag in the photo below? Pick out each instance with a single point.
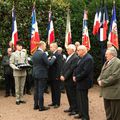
(100, 28)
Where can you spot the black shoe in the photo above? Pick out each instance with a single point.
(63, 91)
(51, 104)
(28, 92)
(46, 91)
(17, 102)
(22, 102)
(36, 107)
(44, 108)
(72, 113)
(77, 117)
(13, 94)
(56, 106)
(7, 95)
(67, 110)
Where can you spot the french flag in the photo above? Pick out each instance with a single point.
(113, 34)
(35, 39)
(68, 37)
(14, 28)
(85, 34)
(51, 35)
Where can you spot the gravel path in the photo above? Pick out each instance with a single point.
(10, 111)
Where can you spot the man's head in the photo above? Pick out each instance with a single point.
(19, 45)
(9, 51)
(81, 50)
(42, 45)
(59, 49)
(77, 44)
(53, 47)
(71, 49)
(10, 44)
(110, 53)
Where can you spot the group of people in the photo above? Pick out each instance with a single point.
(74, 72)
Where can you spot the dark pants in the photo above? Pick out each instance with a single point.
(55, 91)
(39, 86)
(9, 84)
(71, 94)
(112, 109)
(83, 105)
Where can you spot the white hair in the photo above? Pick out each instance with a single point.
(71, 46)
(113, 51)
(82, 47)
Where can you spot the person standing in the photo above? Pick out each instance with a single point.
(40, 75)
(18, 57)
(8, 74)
(67, 77)
(54, 76)
(83, 76)
(109, 81)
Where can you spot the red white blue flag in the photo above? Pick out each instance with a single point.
(14, 28)
(35, 39)
(85, 34)
(113, 34)
(51, 35)
(68, 37)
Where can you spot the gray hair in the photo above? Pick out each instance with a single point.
(82, 47)
(113, 51)
(71, 46)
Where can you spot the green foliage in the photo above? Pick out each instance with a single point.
(59, 7)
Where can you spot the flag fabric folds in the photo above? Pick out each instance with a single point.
(51, 35)
(68, 37)
(35, 39)
(14, 28)
(85, 34)
(113, 34)
(103, 24)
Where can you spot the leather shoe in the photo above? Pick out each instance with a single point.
(56, 106)
(36, 107)
(7, 95)
(67, 110)
(22, 102)
(17, 102)
(72, 113)
(44, 108)
(77, 117)
(51, 104)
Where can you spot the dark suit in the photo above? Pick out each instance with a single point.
(40, 74)
(84, 81)
(70, 86)
(54, 77)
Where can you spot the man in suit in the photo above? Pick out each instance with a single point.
(109, 80)
(8, 74)
(18, 57)
(67, 77)
(83, 76)
(54, 76)
(40, 75)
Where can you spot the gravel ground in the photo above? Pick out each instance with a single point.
(10, 111)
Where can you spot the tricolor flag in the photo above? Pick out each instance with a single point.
(113, 34)
(51, 35)
(68, 38)
(14, 28)
(85, 34)
(103, 25)
(35, 39)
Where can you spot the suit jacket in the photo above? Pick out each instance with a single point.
(18, 57)
(110, 76)
(69, 66)
(41, 64)
(55, 68)
(84, 72)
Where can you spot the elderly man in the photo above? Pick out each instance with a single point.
(40, 75)
(66, 76)
(83, 76)
(109, 80)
